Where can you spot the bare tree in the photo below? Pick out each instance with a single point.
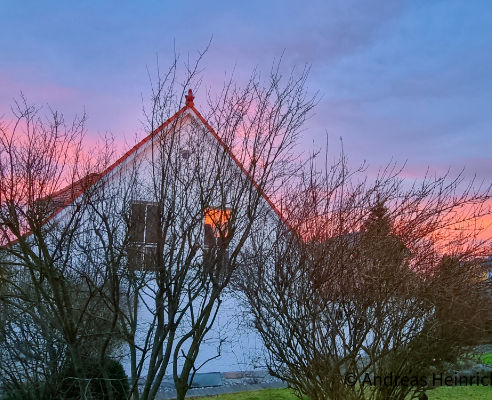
(151, 242)
(196, 196)
(54, 313)
(363, 281)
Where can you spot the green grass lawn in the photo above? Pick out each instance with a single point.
(265, 394)
(486, 358)
(461, 393)
(442, 393)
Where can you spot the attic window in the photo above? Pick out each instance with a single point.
(216, 226)
(185, 153)
(143, 234)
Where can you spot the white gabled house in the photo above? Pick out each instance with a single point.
(179, 200)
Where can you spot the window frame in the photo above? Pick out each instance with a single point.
(142, 253)
(217, 229)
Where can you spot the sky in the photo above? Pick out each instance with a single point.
(407, 81)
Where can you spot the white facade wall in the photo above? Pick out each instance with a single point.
(242, 348)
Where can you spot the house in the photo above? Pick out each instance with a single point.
(174, 215)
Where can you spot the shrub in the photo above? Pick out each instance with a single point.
(94, 383)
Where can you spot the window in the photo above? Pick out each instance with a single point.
(144, 223)
(216, 226)
(142, 257)
(216, 233)
(185, 153)
(144, 234)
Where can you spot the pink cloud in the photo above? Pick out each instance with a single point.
(37, 92)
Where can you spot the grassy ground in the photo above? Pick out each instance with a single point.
(486, 358)
(461, 393)
(442, 393)
(265, 394)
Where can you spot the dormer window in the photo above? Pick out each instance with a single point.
(216, 226)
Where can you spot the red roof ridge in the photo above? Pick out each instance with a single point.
(143, 141)
(190, 105)
(86, 182)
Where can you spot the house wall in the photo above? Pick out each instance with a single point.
(140, 177)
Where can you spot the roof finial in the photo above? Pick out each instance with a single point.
(189, 98)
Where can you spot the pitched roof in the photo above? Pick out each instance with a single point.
(67, 195)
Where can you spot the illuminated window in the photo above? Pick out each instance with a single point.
(143, 235)
(216, 226)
